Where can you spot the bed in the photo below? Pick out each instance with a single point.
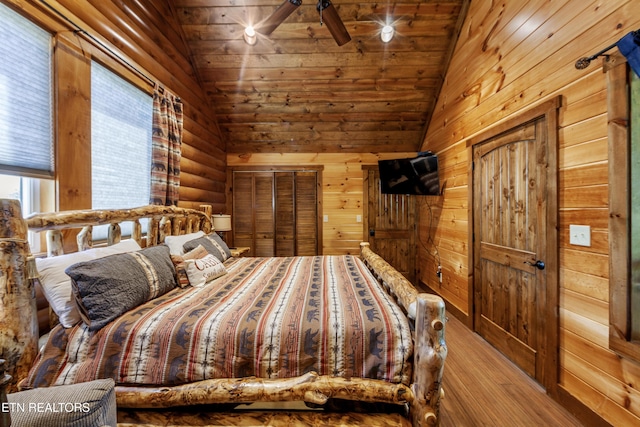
(344, 336)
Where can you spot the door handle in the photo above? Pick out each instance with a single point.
(538, 264)
(372, 232)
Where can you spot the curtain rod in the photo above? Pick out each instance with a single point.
(103, 46)
(583, 63)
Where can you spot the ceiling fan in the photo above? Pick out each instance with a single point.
(328, 15)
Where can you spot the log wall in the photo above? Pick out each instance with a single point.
(522, 54)
(148, 35)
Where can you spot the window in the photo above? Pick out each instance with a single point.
(121, 124)
(623, 107)
(26, 137)
(35, 195)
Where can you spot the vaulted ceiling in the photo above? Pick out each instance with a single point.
(296, 90)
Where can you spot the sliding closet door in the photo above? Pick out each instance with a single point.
(276, 212)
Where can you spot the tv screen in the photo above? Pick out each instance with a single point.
(417, 175)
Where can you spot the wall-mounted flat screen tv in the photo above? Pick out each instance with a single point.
(417, 175)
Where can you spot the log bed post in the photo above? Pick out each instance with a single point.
(430, 353)
(430, 350)
(18, 319)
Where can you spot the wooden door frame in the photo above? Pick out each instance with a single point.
(549, 112)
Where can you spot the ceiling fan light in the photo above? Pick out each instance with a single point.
(250, 35)
(387, 33)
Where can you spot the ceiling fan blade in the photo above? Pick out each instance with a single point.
(283, 11)
(329, 15)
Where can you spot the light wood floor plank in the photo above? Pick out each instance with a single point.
(484, 388)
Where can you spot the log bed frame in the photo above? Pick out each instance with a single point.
(19, 327)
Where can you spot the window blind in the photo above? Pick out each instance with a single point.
(26, 137)
(121, 123)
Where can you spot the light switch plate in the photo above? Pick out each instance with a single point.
(580, 235)
(325, 218)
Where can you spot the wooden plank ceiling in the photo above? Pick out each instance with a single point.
(296, 90)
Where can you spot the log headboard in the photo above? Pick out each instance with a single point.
(21, 315)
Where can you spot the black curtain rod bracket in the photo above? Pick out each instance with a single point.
(583, 63)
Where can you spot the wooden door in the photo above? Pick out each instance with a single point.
(275, 213)
(307, 222)
(390, 224)
(253, 214)
(510, 247)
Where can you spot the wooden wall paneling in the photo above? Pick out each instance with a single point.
(584, 283)
(557, 68)
(73, 96)
(72, 80)
(513, 69)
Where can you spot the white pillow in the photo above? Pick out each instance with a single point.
(56, 285)
(175, 242)
(203, 270)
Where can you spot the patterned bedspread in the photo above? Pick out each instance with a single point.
(268, 317)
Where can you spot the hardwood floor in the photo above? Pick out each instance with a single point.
(483, 388)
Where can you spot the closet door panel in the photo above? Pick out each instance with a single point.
(264, 214)
(242, 217)
(285, 214)
(306, 206)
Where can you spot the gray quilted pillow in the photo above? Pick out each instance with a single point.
(90, 404)
(107, 287)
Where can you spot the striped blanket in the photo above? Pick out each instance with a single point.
(268, 317)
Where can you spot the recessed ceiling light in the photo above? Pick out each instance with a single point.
(387, 33)
(250, 35)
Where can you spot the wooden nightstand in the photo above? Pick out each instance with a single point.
(238, 252)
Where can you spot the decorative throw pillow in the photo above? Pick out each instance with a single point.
(175, 242)
(108, 287)
(179, 262)
(91, 403)
(56, 285)
(203, 270)
(213, 244)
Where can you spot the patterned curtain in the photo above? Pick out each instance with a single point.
(166, 148)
